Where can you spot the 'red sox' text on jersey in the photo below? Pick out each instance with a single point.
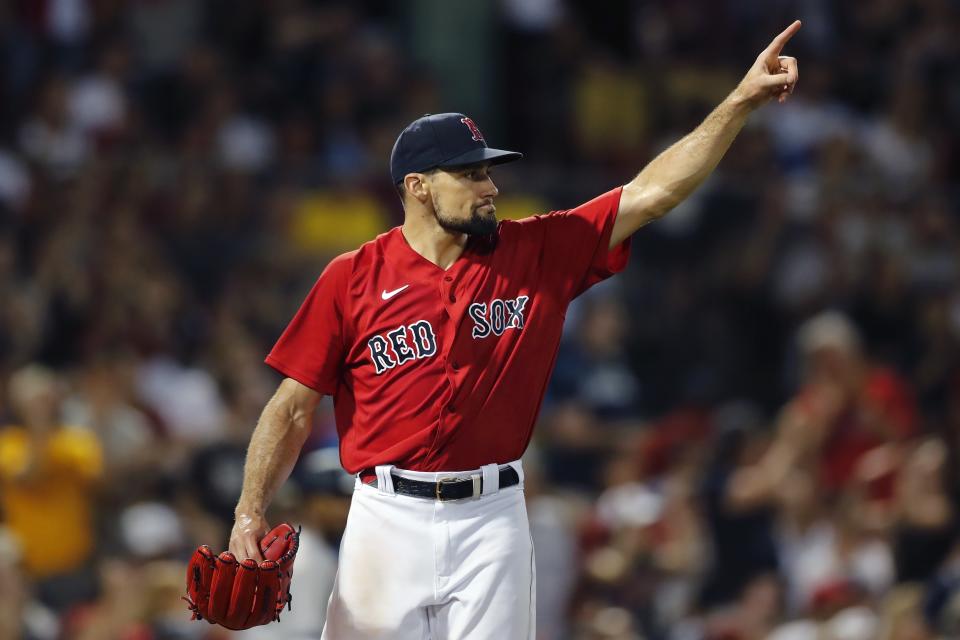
(434, 369)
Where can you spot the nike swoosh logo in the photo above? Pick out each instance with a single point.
(386, 295)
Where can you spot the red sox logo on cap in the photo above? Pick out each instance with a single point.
(474, 129)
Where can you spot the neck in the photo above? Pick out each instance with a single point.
(430, 240)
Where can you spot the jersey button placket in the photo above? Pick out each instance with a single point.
(448, 298)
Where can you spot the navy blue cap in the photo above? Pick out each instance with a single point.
(442, 140)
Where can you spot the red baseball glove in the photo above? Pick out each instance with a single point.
(240, 595)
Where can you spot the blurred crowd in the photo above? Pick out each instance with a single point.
(753, 433)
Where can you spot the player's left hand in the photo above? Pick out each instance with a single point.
(772, 75)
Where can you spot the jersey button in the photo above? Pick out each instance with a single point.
(453, 298)
(455, 365)
(451, 409)
(448, 278)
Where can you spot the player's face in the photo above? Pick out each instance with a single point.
(463, 199)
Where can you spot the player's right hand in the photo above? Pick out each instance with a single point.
(248, 529)
(772, 75)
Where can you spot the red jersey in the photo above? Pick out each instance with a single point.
(434, 369)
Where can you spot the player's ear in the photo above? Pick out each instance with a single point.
(417, 186)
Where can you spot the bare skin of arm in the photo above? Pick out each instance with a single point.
(274, 447)
(673, 175)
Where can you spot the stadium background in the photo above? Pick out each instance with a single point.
(754, 432)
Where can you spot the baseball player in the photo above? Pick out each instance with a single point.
(436, 341)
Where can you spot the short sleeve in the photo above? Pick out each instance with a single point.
(576, 244)
(311, 348)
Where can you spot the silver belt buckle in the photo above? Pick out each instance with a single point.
(440, 483)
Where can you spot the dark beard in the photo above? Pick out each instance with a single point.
(476, 225)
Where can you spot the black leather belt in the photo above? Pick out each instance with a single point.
(446, 489)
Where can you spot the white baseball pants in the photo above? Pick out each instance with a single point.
(418, 569)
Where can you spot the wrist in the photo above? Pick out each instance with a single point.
(740, 102)
(248, 509)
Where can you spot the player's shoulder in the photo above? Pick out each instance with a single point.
(369, 251)
(357, 263)
(592, 209)
(339, 268)
(374, 251)
(342, 263)
(510, 230)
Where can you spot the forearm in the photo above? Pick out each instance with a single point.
(274, 447)
(673, 175)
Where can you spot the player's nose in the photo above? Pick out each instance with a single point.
(489, 189)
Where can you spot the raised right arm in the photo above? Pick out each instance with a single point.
(274, 447)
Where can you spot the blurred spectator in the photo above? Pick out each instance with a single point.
(244, 142)
(594, 370)
(927, 526)
(15, 182)
(849, 404)
(102, 402)
(119, 611)
(151, 530)
(820, 545)
(21, 616)
(595, 397)
(48, 473)
(186, 398)
(163, 30)
(98, 102)
(902, 615)
(752, 616)
(51, 139)
(743, 477)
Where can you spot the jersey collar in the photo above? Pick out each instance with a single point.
(399, 251)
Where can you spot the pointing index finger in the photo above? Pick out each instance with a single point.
(776, 46)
